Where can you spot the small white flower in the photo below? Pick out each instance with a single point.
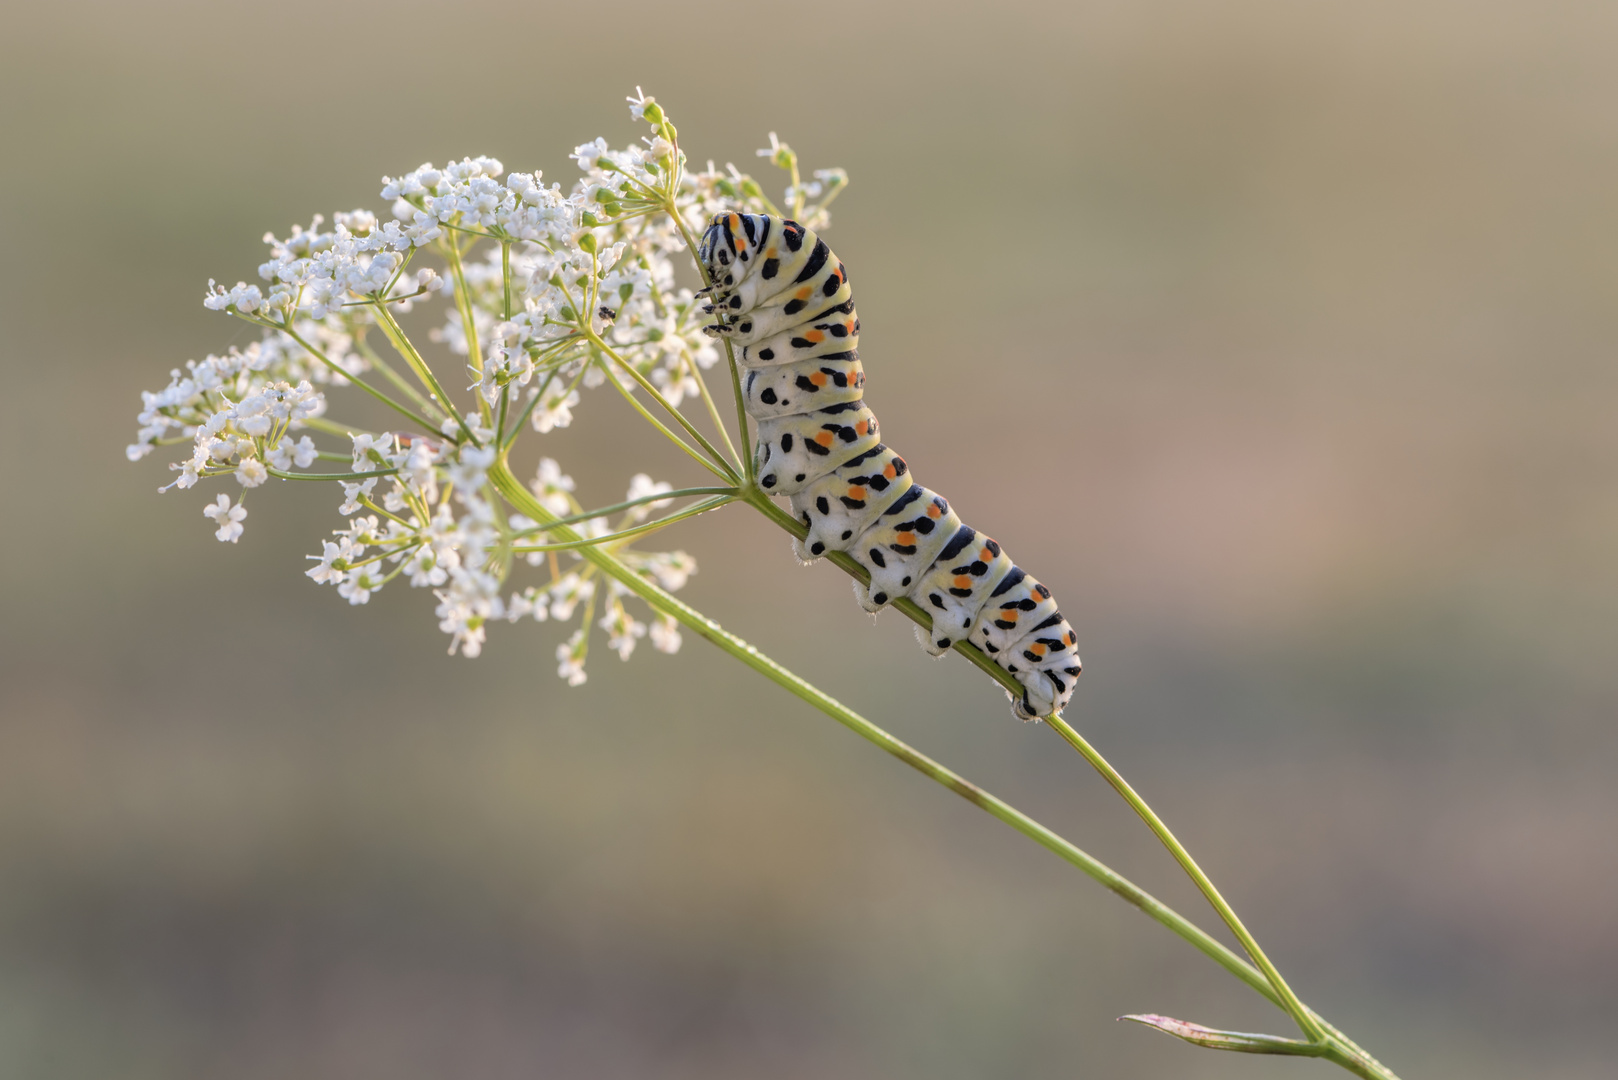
(530, 603)
(672, 569)
(553, 486)
(251, 473)
(228, 517)
(570, 658)
(370, 451)
(665, 634)
(638, 103)
(353, 493)
(359, 585)
(555, 409)
(471, 468)
(622, 630)
(326, 571)
(640, 486)
(568, 593)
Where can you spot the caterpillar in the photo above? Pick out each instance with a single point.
(784, 301)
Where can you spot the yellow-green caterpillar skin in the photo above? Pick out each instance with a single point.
(784, 301)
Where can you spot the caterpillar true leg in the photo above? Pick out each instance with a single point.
(785, 302)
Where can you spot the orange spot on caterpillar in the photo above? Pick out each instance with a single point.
(962, 581)
(888, 472)
(861, 428)
(814, 337)
(1037, 649)
(934, 512)
(803, 293)
(856, 492)
(906, 538)
(986, 555)
(818, 378)
(824, 438)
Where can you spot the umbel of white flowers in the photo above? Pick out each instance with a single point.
(512, 257)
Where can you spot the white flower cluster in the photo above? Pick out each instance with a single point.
(550, 293)
(314, 272)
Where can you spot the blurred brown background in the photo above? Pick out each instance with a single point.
(1296, 324)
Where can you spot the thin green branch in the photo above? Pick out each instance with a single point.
(1289, 1000)
(402, 345)
(525, 503)
(656, 395)
(719, 468)
(587, 515)
(1339, 1048)
(332, 427)
(707, 400)
(432, 412)
(624, 534)
(355, 379)
(349, 476)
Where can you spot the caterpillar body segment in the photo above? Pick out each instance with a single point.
(784, 301)
(804, 386)
(966, 571)
(843, 504)
(797, 449)
(900, 548)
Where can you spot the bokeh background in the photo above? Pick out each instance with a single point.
(1278, 338)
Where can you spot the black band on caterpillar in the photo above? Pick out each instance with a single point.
(784, 300)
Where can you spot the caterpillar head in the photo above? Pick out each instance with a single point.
(728, 245)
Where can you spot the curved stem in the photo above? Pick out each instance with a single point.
(623, 534)
(524, 502)
(1338, 1047)
(1289, 1000)
(660, 496)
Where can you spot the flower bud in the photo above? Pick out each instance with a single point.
(653, 113)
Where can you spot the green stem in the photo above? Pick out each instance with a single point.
(278, 474)
(469, 325)
(623, 534)
(1289, 1000)
(586, 515)
(719, 468)
(432, 412)
(524, 502)
(355, 379)
(401, 344)
(656, 395)
(332, 427)
(1338, 1047)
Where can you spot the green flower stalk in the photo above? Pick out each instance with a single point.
(546, 295)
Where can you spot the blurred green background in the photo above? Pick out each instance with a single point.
(1295, 322)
